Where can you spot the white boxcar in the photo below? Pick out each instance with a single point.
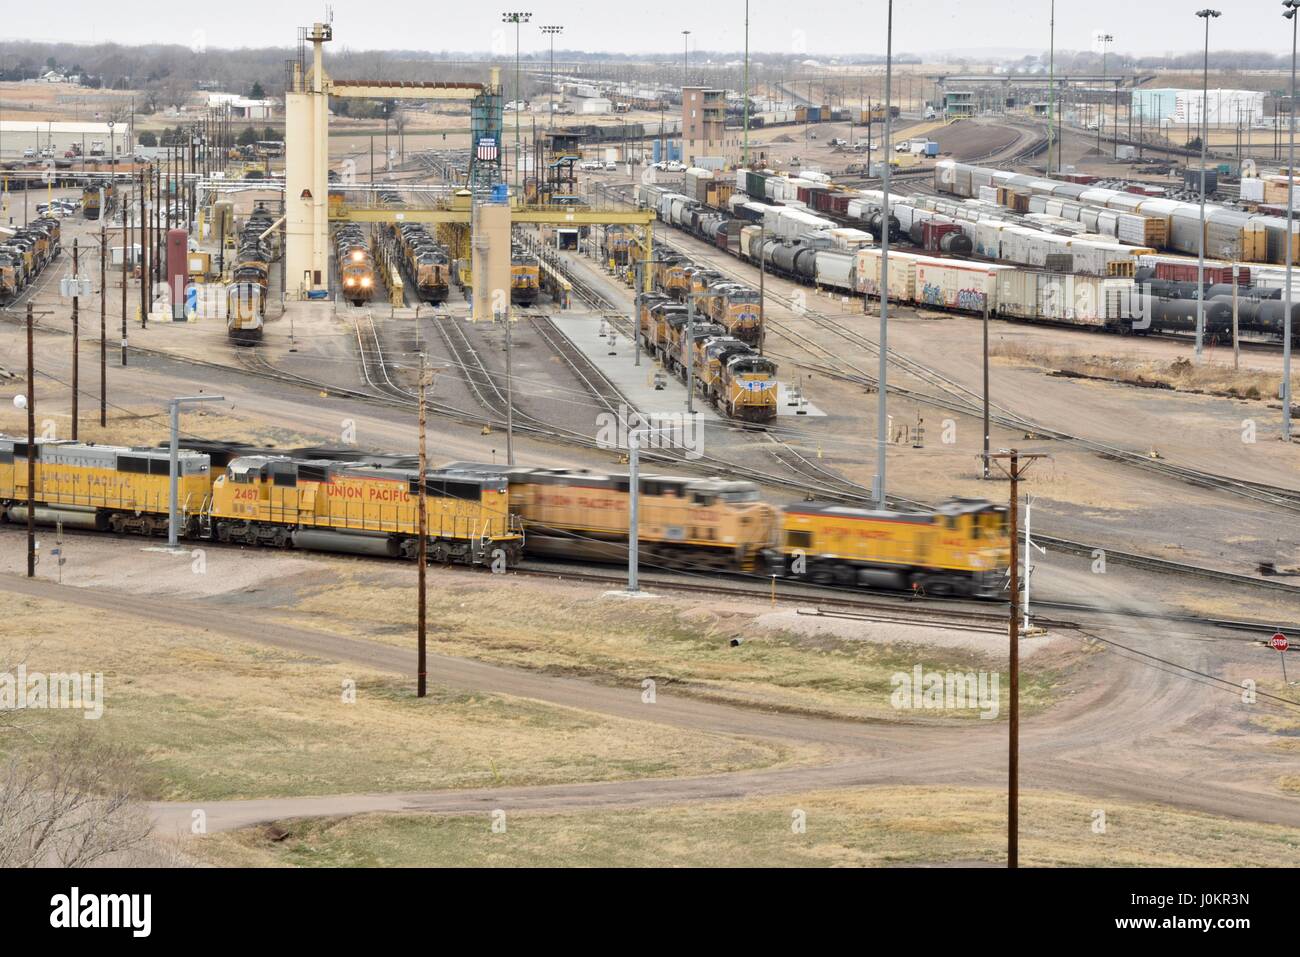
(957, 284)
(1064, 297)
(902, 273)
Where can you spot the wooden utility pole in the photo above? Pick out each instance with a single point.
(144, 249)
(1013, 630)
(76, 340)
(31, 451)
(103, 324)
(422, 550)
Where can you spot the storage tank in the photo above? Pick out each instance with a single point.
(178, 249)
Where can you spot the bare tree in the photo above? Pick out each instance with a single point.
(70, 806)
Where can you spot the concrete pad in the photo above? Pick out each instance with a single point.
(636, 382)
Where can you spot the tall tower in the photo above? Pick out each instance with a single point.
(306, 172)
(486, 127)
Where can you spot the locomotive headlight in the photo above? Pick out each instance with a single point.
(349, 281)
(356, 255)
(365, 281)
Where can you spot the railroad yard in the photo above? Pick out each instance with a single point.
(313, 653)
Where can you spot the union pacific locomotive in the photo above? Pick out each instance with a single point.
(262, 499)
(356, 265)
(480, 514)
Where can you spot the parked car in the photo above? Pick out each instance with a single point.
(29, 153)
(611, 166)
(590, 165)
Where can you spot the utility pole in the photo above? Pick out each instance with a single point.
(126, 255)
(1292, 6)
(882, 400)
(31, 451)
(745, 93)
(422, 550)
(1051, 84)
(510, 401)
(144, 249)
(633, 516)
(1206, 15)
(986, 383)
(103, 323)
(688, 348)
(1013, 630)
(76, 339)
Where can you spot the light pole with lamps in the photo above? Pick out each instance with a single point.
(1290, 14)
(551, 31)
(686, 51)
(882, 401)
(1207, 14)
(174, 412)
(516, 17)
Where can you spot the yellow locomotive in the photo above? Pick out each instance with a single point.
(959, 548)
(102, 487)
(275, 500)
(735, 307)
(736, 379)
(356, 266)
(341, 506)
(683, 522)
(525, 276)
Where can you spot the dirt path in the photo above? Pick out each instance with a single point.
(1092, 743)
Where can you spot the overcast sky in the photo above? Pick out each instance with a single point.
(818, 27)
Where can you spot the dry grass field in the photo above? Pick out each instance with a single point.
(212, 718)
(861, 828)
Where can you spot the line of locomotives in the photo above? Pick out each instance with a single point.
(255, 250)
(726, 331)
(346, 501)
(26, 253)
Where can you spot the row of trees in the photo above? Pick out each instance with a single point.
(180, 136)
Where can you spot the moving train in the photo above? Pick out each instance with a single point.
(481, 514)
(96, 198)
(355, 263)
(264, 499)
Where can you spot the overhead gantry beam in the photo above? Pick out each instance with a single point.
(533, 215)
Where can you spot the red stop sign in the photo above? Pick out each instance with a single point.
(1279, 642)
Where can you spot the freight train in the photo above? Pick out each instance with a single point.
(264, 499)
(424, 260)
(355, 263)
(1110, 289)
(249, 278)
(479, 514)
(25, 253)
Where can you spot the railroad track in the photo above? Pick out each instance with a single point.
(964, 400)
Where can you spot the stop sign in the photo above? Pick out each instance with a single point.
(1279, 642)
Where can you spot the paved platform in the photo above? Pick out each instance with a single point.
(636, 382)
